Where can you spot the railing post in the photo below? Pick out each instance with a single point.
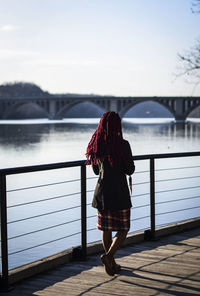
(83, 213)
(4, 236)
(152, 195)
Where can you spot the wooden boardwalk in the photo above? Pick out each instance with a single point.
(169, 266)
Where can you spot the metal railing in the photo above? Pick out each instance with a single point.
(150, 233)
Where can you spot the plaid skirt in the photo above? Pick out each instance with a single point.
(117, 220)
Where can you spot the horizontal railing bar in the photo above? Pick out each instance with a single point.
(141, 183)
(88, 204)
(91, 216)
(43, 167)
(141, 172)
(137, 195)
(43, 244)
(175, 200)
(175, 179)
(92, 190)
(90, 178)
(142, 206)
(162, 191)
(43, 185)
(175, 211)
(166, 155)
(43, 229)
(71, 194)
(179, 168)
(45, 214)
(140, 218)
(45, 199)
(91, 229)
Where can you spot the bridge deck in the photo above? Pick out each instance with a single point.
(169, 266)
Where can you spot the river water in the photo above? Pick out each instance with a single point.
(31, 142)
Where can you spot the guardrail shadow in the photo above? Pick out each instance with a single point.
(74, 274)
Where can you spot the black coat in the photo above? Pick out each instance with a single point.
(112, 192)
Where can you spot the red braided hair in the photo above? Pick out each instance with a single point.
(107, 140)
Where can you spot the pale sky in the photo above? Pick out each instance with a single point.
(107, 47)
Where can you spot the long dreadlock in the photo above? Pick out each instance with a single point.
(107, 140)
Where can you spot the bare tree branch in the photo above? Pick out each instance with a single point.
(191, 62)
(190, 59)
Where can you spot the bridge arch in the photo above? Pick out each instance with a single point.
(25, 110)
(163, 106)
(192, 109)
(81, 109)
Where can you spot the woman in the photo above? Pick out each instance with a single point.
(111, 158)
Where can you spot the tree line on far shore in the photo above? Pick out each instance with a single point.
(21, 90)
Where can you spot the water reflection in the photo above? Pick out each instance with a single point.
(31, 144)
(184, 130)
(23, 135)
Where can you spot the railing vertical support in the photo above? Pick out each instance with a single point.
(152, 195)
(83, 213)
(4, 236)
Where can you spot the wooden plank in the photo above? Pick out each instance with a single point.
(169, 266)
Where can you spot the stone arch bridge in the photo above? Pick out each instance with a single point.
(55, 106)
